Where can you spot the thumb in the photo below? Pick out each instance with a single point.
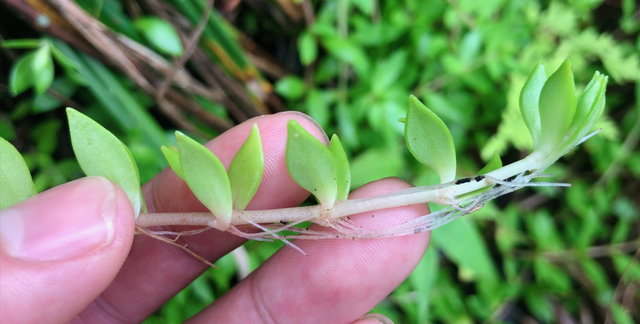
(61, 248)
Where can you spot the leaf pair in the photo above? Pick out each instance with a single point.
(549, 109)
(207, 178)
(320, 170)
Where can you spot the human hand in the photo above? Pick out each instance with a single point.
(69, 254)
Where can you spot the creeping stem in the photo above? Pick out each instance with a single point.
(440, 194)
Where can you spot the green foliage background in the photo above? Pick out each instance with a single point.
(536, 255)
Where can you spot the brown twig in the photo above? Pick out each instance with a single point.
(95, 32)
(192, 44)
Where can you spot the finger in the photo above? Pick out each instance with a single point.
(61, 248)
(373, 319)
(155, 271)
(337, 282)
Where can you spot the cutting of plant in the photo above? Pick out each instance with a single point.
(557, 122)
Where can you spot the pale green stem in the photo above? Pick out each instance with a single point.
(440, 194)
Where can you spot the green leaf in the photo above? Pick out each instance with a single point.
(245, 171)
(21, 77)
(429, 140)
(348, 52)
(101, 153)
(161, 35)
(22, 43)
(307, 48)
(529, 99)
(173, 157)
(207, 179)
(290, 87)
(46, 102)
(494, 164)
(375, 164)
(470, 253)
(311, 164)
(42, 69)
(557, 106)
(15, 179)
(343, 171)
(589, 109)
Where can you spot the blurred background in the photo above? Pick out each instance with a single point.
(144, 68)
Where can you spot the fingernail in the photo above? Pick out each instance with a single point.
(374, 318)
(62, 223)
(293, 113)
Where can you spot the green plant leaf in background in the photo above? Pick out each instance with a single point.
(308, 48)
(311, 164)
(429, 140)
(529, 98)
(557, 106)
(101, 153)
(343, 171)
(245, 171)
(161, 35)
(20, 77)
(207, 179)
(42, 68)
(16, 184)
(173, 157)
(290, 87)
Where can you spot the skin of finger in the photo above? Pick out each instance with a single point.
(155, 271)
(337, 282)
(55, 291)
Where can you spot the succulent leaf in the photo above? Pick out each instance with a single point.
(429, 140)
(311, 164)
(245, 171)
(557, 106)
(207, 179)
(16, 184)
(529, 99)
(343, 170)
(101, 153)
(173, 157)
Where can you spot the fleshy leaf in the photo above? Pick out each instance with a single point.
(101, 153)
(429, 140)
(529, 99)
(16, 184)
(494, 164)
(173, 157)
(311, 164)
(589, 109)
(557, 106)
(245, 171)
(207, 179)
(343, 172)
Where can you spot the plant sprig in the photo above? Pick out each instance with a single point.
(556, 120)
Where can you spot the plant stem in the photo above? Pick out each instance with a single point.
(442, 194)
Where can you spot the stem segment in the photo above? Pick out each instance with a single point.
(441, 194)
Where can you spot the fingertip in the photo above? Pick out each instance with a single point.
(61, 249)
